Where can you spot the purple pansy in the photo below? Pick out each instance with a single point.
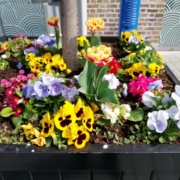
(158, 121)
(155, 85)
(69, 93)
(31, 50)
(44, 40)
(28, 90)
(41, 89)
(55, 88)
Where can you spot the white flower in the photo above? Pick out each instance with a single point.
(146, 99)
(3, 56)
(148, 48)
(110, 111)
(158, 121)
(125, 110)
(172, 111)
(113, 81)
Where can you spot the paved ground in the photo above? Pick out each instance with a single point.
(172, 60)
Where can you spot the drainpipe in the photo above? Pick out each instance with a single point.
(82, 17)
(129, 15)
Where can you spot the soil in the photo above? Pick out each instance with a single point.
(101, 136)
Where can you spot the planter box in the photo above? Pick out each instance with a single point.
(126, 162)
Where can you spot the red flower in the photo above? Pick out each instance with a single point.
(53, 21)
(18, 112)
(113, 66)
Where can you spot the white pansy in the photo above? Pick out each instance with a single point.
(146, 99)
(113, 81)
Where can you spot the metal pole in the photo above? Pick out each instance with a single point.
(82, 17)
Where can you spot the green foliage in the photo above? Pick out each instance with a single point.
(91, 85)
(136, 115)
(4, 64)
(6, 112)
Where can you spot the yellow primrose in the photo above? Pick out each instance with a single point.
(47, 125)
(40, 141)
(29, 56)
(30, 131)
(142, 51)
(79, 109)
(95, 24)
(46, 57)
(88, 119)
(131, 56)
(65, 117)
(154, 69)
(79, 136)
(68, 71)
(160, 57)
(81, 40)
(81, 53)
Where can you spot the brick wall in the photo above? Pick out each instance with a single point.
(150, 19)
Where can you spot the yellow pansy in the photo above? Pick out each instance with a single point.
(79, 109)
(65, 117)
(140, 37)
(81, 40)
(62, 66)
(95, 24)
(94, 107)
(30, 131)
(29, 56)
(77, 136)
(134, 32)
(39, 61)
(154, 69)
(88, 119)
(46, 57)
(68, 71)
(40, 141)
(47, 125)
(125, 36)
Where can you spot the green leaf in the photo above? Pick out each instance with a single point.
(101, 122)
(154, 101)
(29, 114)
(161, 140)
(87, 76)
(48, 141)
(8, 54)
(19, 93)
(17, 123)
(10, 43)
(107, 95)
(136, 115)
(13, 48)
(82, 61)
(53, 49)
(101, 73)
(95, 40)
(6, 112)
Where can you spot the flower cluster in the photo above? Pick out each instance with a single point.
(109, 95)
(48, 63)
(13, 97)
(142, 84)
(47, 85)
(67, 121)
